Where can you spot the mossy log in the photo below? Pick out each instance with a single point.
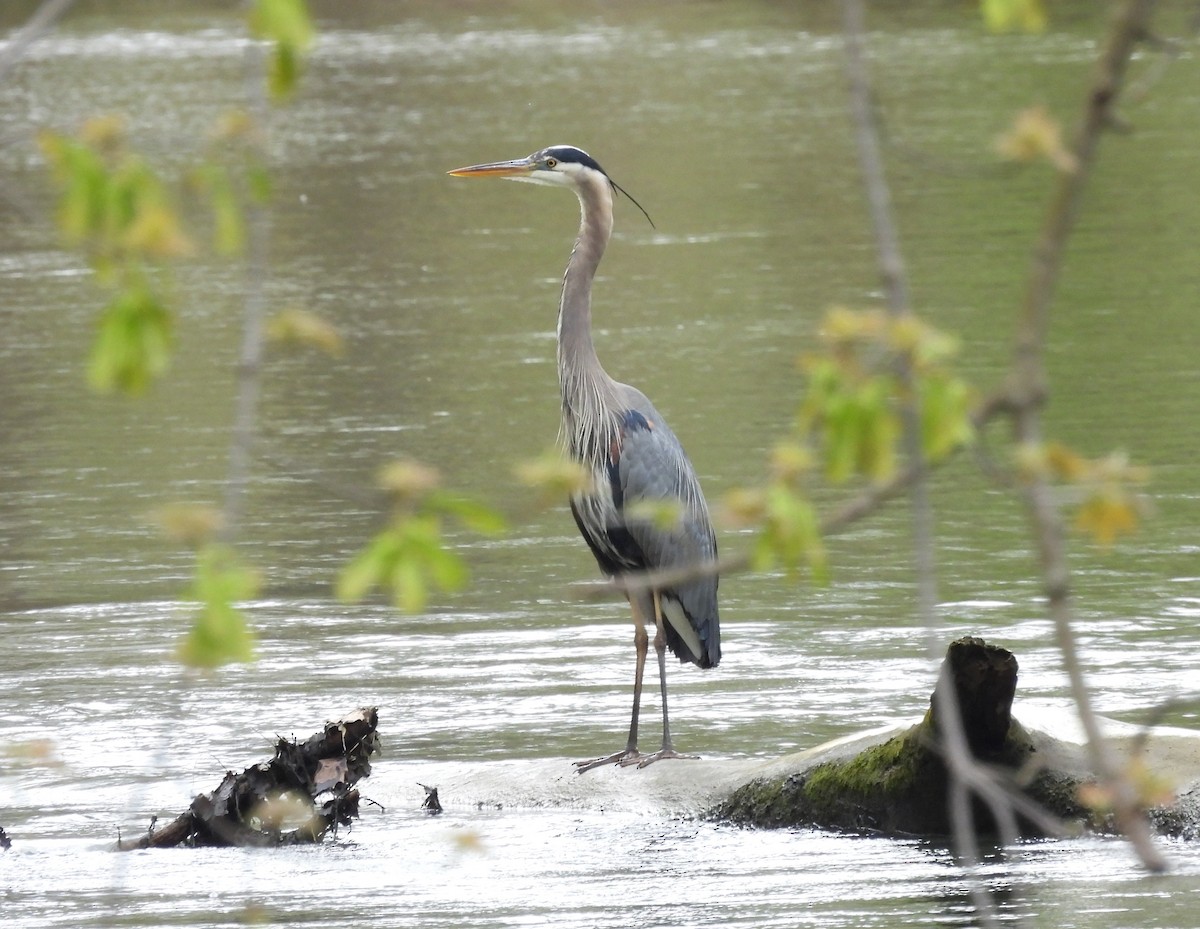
(298, 796)
(901, 786)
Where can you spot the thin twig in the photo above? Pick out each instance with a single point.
(41, 22)
(837, 522)
(1170, 51)
(241, 446)
(19, 41)
(1027, 387)
(966, 775)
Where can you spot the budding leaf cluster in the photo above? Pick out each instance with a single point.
(1104, 491)
(409, 558)
(219, 633)
(874, 364)
(118, 211)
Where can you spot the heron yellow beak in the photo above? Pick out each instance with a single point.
(521, 167)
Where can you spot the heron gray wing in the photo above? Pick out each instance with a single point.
(663, 511)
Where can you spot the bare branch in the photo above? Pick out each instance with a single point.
(41, 22)
(1026, 391)
(839, 521)
(965, 773)
(245, 422)
(891, 266)
(1170, 51)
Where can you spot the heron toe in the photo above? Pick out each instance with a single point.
(624, 757)
(659, 756)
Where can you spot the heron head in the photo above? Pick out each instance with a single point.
(556, 166)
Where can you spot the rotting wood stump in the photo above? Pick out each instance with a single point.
(298, 796)
(901, 786)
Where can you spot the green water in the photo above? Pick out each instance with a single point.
(727, 122)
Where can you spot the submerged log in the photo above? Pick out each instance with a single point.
(298, 796)
(901, 786)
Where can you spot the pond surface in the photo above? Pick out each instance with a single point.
(727, 122)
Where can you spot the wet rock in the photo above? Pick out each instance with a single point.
(1180, 819)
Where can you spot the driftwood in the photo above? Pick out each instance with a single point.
(298, 796)
(431, 804)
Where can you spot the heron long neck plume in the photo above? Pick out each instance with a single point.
(588, 393)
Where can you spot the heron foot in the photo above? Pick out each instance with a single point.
(624, 757)
(659, 756)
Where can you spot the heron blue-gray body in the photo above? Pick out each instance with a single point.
(635, 461)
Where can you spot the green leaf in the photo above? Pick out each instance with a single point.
(420, 533)
(823, 384)
(791, 535)
(229, 223)
(258, 180)
(945, 416)
(114, 207)
(554, 475)
(219, 633)
(134, 342)
(370, 568)
(447, 569)
(411, 556)
(763, 556)
(664, 515)
(285, 23)
(841, 438)
(84, 193)
(409, 591)
(876, 430)
(284, 72)
(1011, 15)
(474, 515)
(1107, 515)
(297, 326)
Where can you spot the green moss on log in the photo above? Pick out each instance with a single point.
(898, 786)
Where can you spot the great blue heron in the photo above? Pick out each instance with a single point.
(632, 456)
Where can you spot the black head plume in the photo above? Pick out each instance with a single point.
(569, 153)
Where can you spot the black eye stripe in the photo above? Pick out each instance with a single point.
(564, 154)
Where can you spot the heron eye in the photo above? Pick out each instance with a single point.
(551, 163)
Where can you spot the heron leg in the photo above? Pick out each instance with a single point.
(660, 650)
(630, 754)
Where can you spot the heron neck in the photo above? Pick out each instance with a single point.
(587, 390)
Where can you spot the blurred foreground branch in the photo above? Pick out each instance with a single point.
(1026, 390)
(250, 360)
(866, 503)
(41, 22)
(965, 775)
